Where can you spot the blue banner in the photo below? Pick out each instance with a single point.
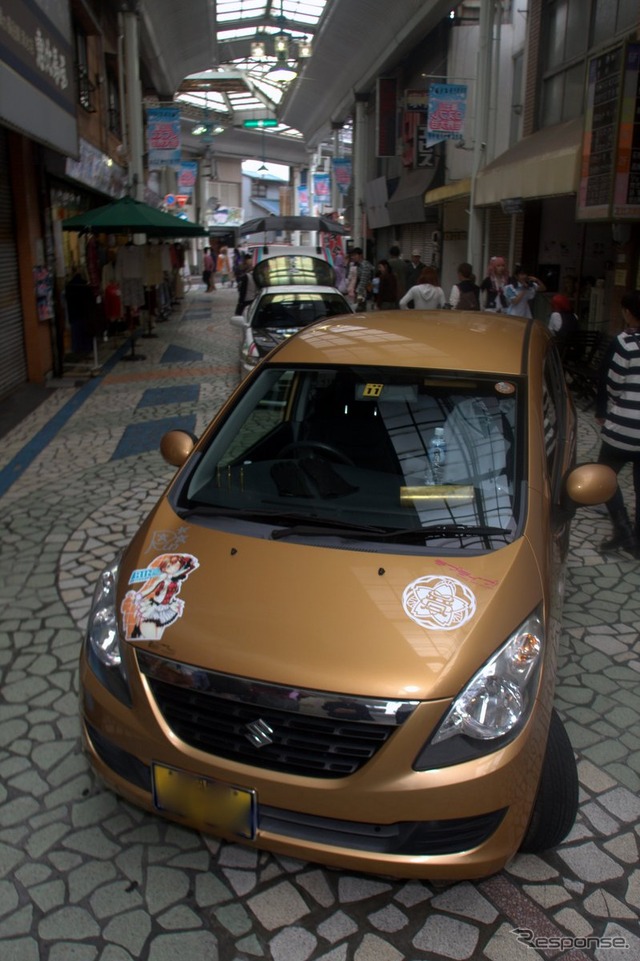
(447, 110)
(342, 168)
(163, 137)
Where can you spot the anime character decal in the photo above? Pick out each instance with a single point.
(154, 603)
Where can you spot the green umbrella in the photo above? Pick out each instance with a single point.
(132, 215)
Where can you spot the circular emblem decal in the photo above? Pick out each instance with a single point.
(439, 603)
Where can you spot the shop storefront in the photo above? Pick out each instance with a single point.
(13, 367)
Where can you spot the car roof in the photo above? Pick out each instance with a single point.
(440, 339)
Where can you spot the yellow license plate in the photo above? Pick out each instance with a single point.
(204, 801)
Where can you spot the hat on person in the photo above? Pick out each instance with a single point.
(415, 253)
(561, 303)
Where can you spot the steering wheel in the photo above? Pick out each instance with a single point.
(317, 445)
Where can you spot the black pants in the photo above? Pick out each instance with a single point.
(616, 459)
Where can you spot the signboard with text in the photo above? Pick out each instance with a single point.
(626, 191)
(595, 192)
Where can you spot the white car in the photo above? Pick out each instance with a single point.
(295, 288)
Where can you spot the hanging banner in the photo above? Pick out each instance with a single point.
(447, 110)
(187, 177)
(303, 199)
(626, 194)
(321, 189)
(342, 170)
(599, 140)
(386, 117)
(163, 137)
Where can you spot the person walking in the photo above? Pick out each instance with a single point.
(427, 294)
(365, 276)
(618, 414)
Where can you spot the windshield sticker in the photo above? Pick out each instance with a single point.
(154, 604)
(439, 603)
(504, 387)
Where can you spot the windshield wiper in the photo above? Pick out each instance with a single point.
(384, 534)
(241, 513)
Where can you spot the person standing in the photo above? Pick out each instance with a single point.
(246, 284)
(399, 270)
(208, 268)
(618, 414)
(492, 287)
(426, 295)
(414, 268)
(465, 295)
(521, 292)
(386, 297)
(365, 276)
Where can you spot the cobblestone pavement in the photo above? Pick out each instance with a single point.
(86, 877)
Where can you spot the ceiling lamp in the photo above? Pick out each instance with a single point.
(304, 48)
(259, 47)
(282, 71)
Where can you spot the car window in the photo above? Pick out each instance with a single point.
(294, 270)
(424, 461)
(297, 309)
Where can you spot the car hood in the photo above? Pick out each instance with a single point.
(356, 622)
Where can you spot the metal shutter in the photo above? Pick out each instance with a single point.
(13, 366)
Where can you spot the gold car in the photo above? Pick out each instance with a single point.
(335, 637)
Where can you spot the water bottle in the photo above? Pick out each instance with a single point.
(437, 453)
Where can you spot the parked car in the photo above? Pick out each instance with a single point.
(296, 287)
(335, 637)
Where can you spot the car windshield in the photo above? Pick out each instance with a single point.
(294, 269)
(297, 309)
(414, 461)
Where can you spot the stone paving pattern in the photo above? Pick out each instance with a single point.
(85, 876)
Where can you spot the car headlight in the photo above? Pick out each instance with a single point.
(495, 704)
(102, 641)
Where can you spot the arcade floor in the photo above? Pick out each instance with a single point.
(86, 877)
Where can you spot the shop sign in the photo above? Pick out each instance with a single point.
(626, 193)
(386, 117)
(96, 170)
(447, 112)
(342, 168)
(187, 176)
(37, 51)
(164, 142)
(595, 191)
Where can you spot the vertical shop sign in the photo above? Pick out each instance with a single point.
(163, 137)
(321, 189)
(303, 199)
(187, 177)
(386, 117)
(447, 112)
(626, 194)
(342, 169)
(599, 140)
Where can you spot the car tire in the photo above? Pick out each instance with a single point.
(556, 804)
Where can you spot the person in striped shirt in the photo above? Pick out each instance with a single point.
(618, 413)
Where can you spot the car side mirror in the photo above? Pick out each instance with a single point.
(590, 484)
(176, 445)
(240, 320)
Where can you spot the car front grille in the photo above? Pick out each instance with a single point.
(309, 733)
